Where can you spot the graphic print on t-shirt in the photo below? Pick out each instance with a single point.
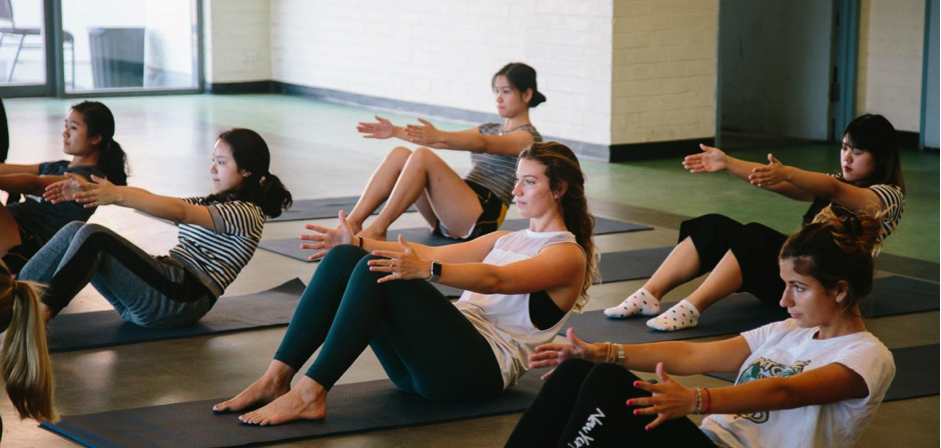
(766, 368)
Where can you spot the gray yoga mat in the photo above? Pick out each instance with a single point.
(741, 312)
(322, 208)
(916, 373)
(352, 408)
(291, 247)
(268, 308)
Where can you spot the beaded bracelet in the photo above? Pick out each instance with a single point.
(698, 409)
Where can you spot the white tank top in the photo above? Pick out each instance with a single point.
(503, 319)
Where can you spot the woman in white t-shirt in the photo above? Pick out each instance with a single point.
(814, 380)
(520, 289)
(743, 257)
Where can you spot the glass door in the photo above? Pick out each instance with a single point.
(24, 48)
(130, 46)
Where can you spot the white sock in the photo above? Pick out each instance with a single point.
(641, 302)
(679, 316)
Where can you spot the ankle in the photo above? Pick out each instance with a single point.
(653, 291)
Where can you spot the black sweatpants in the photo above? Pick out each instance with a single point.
(755, 246)
(425, 344)
(584, 404)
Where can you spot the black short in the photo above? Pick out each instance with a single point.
(490, 219)
(755, 246)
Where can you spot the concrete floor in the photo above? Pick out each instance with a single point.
(317, 153)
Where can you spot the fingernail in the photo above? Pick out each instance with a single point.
(630, 402)
(636, 383)
(636, 411)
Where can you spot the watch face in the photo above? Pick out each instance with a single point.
(435, 268)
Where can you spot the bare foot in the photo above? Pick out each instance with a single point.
(273, 384)
(371, 233)
(307, 401)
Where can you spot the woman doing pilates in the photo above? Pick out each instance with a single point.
(456, 208)
(26, 226)
(812, 381)
(744, 257)
(520, 289)
(218, 235)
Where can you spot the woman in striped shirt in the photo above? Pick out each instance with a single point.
(744, 257)
(455, 208)
(218, 235)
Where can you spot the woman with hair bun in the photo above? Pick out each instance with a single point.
(812, 381)
(26, 226)
(456, 208)
(743, 257)
(218, 236)
(520, 288)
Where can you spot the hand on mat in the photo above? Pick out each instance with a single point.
(427, 134)
(670, 399)
(381, 130)
(551, 355)
(63, 190)
(709, 160)
(98, 192)
(405, 265)
(769, 174)
(327, 237)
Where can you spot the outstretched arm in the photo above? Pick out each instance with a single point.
(31, 184)
(102, 192)
(712, 160)
(9, 168)
(472, 140)
(815, 184)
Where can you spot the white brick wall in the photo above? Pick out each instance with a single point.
(236, 40)
(443, 52)
(664, 70)
(891, 36)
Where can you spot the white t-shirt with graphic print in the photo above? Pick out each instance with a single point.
(783, 349)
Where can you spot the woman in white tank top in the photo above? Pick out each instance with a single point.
(521, 287)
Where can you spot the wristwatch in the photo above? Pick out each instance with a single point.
(435, 271)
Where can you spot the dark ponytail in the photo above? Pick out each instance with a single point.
(261, 187)
(563, 169)
(111, 158)
(522, 77)
(839, 245)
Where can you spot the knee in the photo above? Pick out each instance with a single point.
(399, 155)
(343, 255)
(422, 154)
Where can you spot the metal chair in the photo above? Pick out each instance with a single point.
(6, 15)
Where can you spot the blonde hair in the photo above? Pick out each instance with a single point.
(24, 358)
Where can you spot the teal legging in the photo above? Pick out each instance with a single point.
(424, 343)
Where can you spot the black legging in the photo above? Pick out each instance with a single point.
(755, 246)
(424, 343)
(582, 401)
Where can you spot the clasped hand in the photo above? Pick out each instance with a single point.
(669, 398)
(76, 188)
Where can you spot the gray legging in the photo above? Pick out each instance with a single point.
(425, 344)
(150, 292)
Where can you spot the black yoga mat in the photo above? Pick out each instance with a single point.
(916, 373)
(269, 308)
(322, 208)
(290, 247)
(741, 312)
(351, 408)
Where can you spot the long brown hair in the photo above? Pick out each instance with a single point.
(24, 359)
(838, 245)
(562, 167)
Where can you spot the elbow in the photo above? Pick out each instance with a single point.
(492, 284)
(786, 397)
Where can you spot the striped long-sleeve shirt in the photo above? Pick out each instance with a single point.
(223, 251)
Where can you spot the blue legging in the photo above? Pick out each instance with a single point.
(424, 343)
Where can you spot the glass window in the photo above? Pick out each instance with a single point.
(129, 45)
(22, 43)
